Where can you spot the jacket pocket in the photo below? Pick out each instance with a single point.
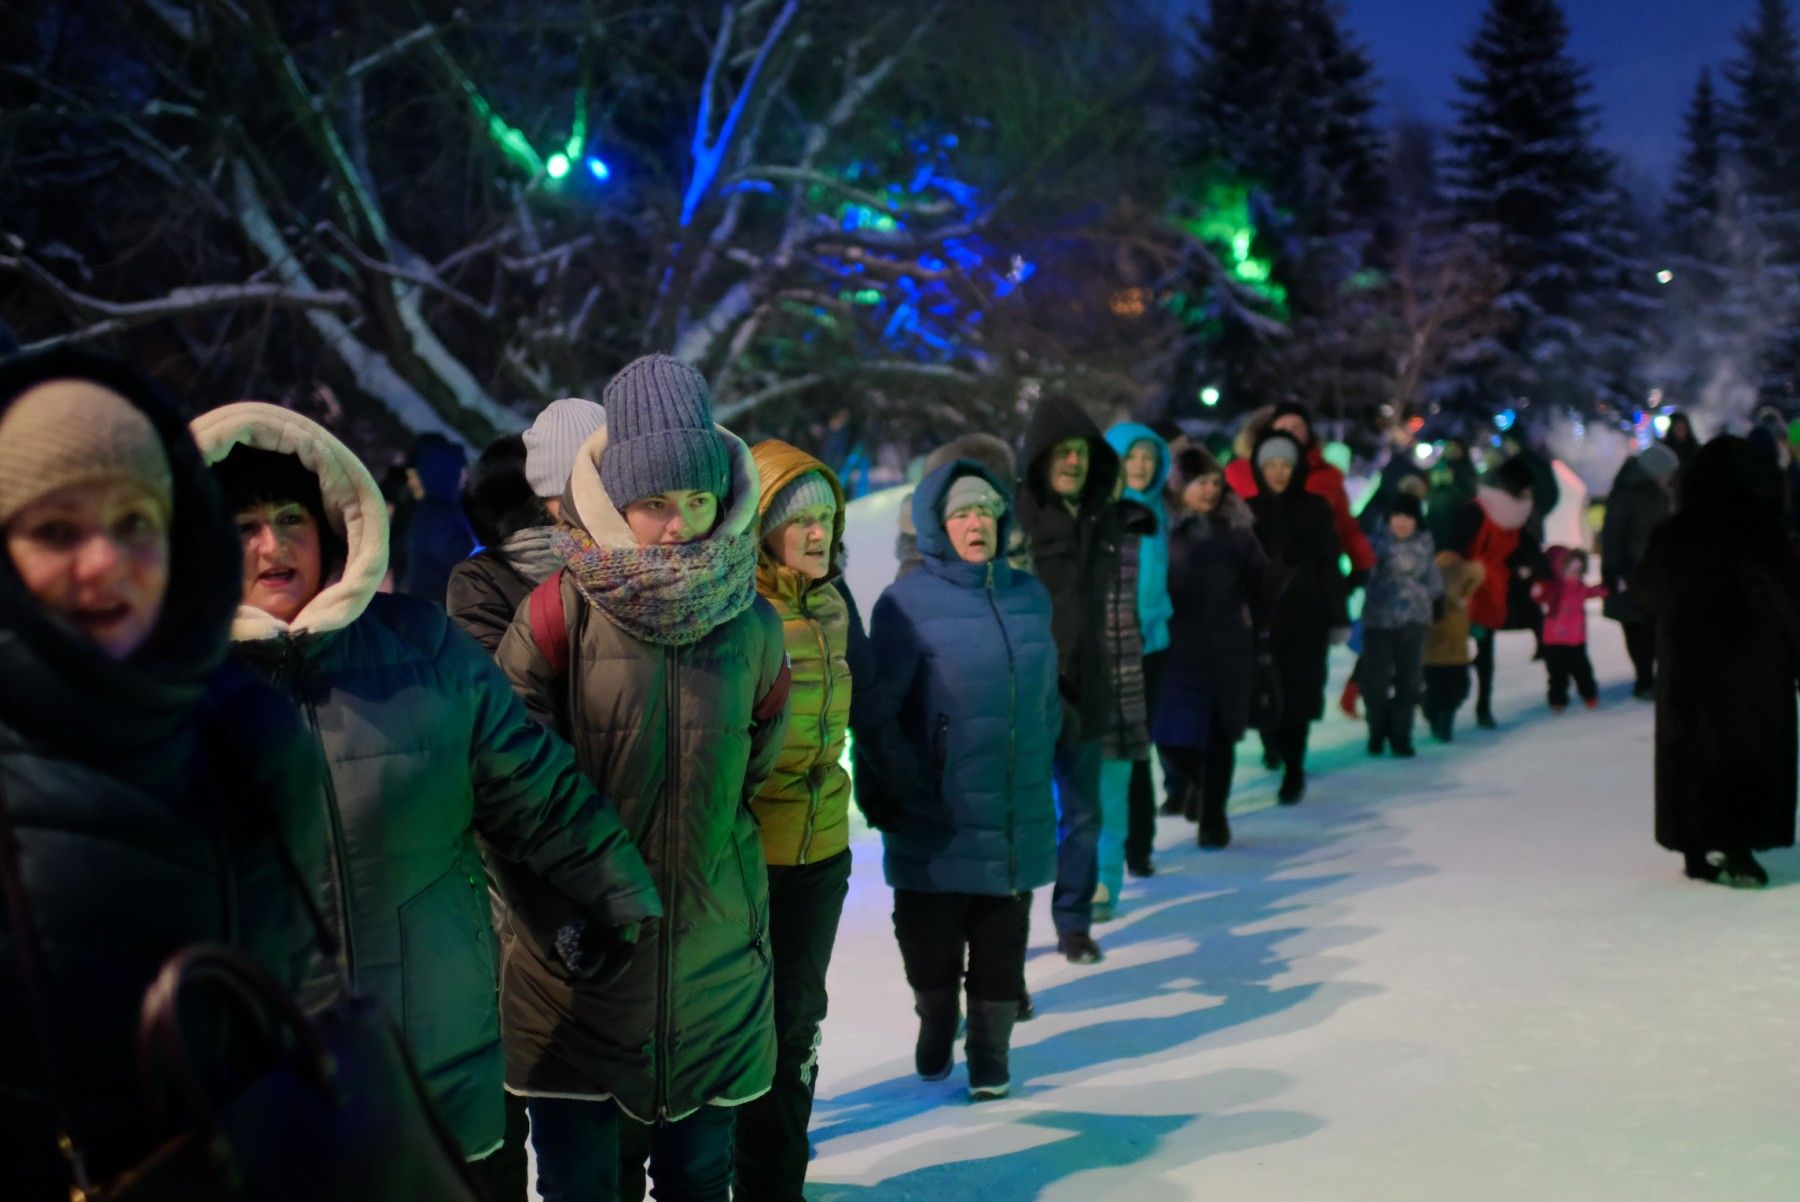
(447, 969)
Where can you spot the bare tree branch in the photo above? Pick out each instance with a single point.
(881, 367)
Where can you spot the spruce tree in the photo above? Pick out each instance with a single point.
(1525, 177)
(1763, 125)
(1282, 103)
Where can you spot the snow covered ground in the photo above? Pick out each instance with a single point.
(1472, 976)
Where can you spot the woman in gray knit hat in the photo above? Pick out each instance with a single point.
(652, 653)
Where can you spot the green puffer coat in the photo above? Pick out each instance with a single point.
(804, 806)
(669, 732)
(426, 748)
(146, 798)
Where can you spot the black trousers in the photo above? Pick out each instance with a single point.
(937, 932)
(504, 1173)
(1388, 675)
(1140, 821)
(805, 903)
(1211, 767)
(1564, 663)
(1484, 673)
(1640, 644)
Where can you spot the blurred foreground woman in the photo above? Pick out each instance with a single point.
(146, 789)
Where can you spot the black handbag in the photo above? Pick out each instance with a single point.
(311, 1108)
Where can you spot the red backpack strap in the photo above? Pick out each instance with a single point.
(549, 625)
(770, 705)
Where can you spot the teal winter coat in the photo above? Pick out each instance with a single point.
(1154, 607)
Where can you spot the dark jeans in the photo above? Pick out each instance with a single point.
(1388, 675)
(1484, 674)
(503, 1173)
(1140, 822)
(805, 903)
(1077, 836)
(934, 929)
(575, 1144)
(1566, 662)
(1640, 644)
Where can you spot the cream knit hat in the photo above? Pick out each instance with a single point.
(64, 432)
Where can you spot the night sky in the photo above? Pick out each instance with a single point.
(1644, 56)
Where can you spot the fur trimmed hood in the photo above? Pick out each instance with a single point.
(1505, 510)
(353, 505)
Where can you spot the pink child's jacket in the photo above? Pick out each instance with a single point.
(1564, 602)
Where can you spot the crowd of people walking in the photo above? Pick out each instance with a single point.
(566, 795)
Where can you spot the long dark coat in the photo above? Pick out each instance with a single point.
(1299, 535)
(1219, 582)
(1722, 583)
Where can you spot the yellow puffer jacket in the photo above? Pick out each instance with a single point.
(804, 805)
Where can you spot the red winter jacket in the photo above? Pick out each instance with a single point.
(1327, 482)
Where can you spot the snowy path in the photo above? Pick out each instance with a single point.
(1473, 976)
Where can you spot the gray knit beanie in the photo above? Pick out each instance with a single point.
(969, 491)
(1659, 462)
(661, 437)
(802, 492)
(553, 440)
(1278, 447)
(65, 432)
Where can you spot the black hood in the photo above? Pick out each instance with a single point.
(57, 685)
(496, 499)
(1301, 470)
(1058, 419)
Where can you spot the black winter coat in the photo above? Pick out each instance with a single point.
(1299, 536)
(1634, 509)
(147, 798)
(1722, 583)
(487, 589)
(1076, 556)
(1219, 584)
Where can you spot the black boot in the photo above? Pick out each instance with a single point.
(1484, 718)
(1403, 749)
(1740, 869)
(938, 1020)
(1377, 744)
(1215, 828)
(1193, 801)
(1139, 866)
(987, 1045)
(1700, 867)
(1293, 787)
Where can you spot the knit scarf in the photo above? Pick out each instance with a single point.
(672, 596)
(531, 553)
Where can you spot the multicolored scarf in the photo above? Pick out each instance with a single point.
(672, 596)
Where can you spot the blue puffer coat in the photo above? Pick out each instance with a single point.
(1405, 585)
(968, 715)
(1154, 607)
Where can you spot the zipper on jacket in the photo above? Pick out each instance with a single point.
(812, 778)
(1012, 735)
(294, 663)
(672, 929)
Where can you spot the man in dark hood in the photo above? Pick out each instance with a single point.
(1066, 506)
(437, 537)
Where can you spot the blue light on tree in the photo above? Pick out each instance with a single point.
(1505, 420)
(598, 169)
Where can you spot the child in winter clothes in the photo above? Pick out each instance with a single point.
(1447, 655)
(1563, 598)
(1404, 590)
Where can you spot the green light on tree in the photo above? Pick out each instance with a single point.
(1225, 224)
(557, 165)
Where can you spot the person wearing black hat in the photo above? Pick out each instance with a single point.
(1404, 592)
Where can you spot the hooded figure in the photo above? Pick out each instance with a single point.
(673, 693)
(1066, 507)
(437, 536)
(803, 808)
(1641, 498)
(148, 794)
(1322, 479)
(997, 457)
(1722, 584)
(426, 748)
(1680, 438)
(966, 735)
(1447, 655)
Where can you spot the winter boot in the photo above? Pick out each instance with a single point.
(1700, 867)
(1443, 726)
(1215, 829)
(1293, 786)
(938, 1021)
(1377, 744)
(1027, 1008)
(1170, 807)
(987, 1045)
(1484, 718)
(1403, 749)
(1193, 801)
(1139, 866)
(1592, 703)
(1740, 870)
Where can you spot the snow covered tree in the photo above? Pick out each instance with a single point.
(1762, 174)
(1288, 181)
(1525, 178)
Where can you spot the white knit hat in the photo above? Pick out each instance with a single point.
(553, 440)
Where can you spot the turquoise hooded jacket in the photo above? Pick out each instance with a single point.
(1154, 607)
